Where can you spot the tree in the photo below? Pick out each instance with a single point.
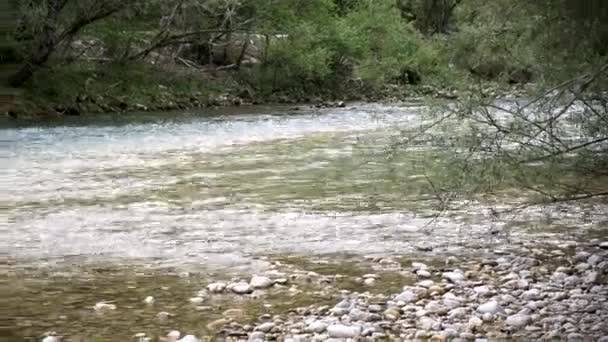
(50, 23)
(552, 140)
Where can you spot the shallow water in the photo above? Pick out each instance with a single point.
(216, 192)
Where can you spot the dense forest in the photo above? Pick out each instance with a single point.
(71, 57)
(87, 56)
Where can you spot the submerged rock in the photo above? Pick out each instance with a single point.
(216, 287)
(240, 288)
(261, 282)
(104, 306)
(149, 300)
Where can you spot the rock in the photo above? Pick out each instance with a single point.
(369, 282)
(358, 315)
(240, 288)
(581, 267)
(261, 282)
(163, 315)
(434, 307)
(216, 287)
(257, 336)
(571, 281)
(533, 294)
(104, 306)
(343, 307)
(149, 300)
(265, 327)
(603, 245)
(235, 314)
(518, 320)
(457, 313)
(423, 273)
(406, 297)
(189, 338)
(196, 300)
(487, 317)
(51, 339)
(474, 323)
(591, 277)
(490, 307)
(454, 277)
(217, 324)
(594, 260)
(392, 314)
(340, 104)
(426, 283)
(419, 266)
(374, 308)
(482, 290)
(316, 327)
(174, 334)
(343, 331)
(558, 277)
(426, 323)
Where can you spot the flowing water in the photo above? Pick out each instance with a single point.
(219, 193)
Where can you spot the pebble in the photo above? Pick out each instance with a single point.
(196, 300)
(423, 273)
(189, 338)
(419, 266)
(343, 331)
(490, 307)
(532, 294)
(257, 336)
(487, 317)
(149, 300)
(316, 327)
(163, 315)
(265, 327)
(457, 313)
(261, 282)
(104, 306)
(217, 324)
(594, 260)
(426, 283)
(591, 277)
(603, 245)
(369, 282)
(474, 322)
(454, 277)
(483, 290)
(518, 320)
(216, 287)
(406, 297)
(241, 288)
(426, 323)
(392, 314)
(174, 334)
(51, 339)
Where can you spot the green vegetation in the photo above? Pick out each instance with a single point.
(110, 56)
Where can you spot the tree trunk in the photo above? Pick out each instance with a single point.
(44, 47)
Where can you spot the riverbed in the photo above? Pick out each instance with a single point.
(120, 208)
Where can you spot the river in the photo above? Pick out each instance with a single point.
(222, 194)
